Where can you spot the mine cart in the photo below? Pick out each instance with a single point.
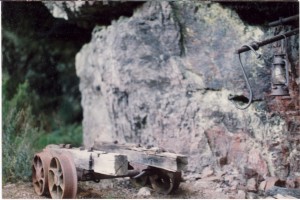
(57, 169)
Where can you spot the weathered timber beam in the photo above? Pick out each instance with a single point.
(149, 157)
(112, 164)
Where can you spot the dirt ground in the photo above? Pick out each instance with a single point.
(122, 189)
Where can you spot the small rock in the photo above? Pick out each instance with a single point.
(241, 195)
(144, 191)
(283, 191)
(234, 184)
(249, 173)
(251, 185)
(251, 195)
(235, 172)
(269, 197)
(279, 196)
(206, 172)
(297, 182)
(9, 186)
(220, 173)
(193, 177)
(262, 186)
(290, 182)
(223, 161)
(270, 182)
(212, 178)
(149, 146)
(229, 178)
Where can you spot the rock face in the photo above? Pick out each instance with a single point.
(162, 77)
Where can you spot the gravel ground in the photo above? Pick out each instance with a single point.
(123, 188)
(106, 189)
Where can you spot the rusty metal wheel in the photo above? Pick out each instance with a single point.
(165, 182)
(62, 177)
(40, 166)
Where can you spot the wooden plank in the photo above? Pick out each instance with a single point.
(150, 157)
(104, 163)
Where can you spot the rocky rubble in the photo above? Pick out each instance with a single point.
(231, 183)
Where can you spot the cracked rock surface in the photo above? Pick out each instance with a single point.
(162, 77)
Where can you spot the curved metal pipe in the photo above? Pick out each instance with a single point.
(247, 83)
(252, 49)
(256, 45)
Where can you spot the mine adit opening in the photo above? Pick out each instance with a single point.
(259, 13)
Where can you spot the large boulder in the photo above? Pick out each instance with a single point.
(162, 77)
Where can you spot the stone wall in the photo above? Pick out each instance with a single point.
(162, 77)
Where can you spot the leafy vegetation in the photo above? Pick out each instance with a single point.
(40, 94)
(18, 134)
(21, 135)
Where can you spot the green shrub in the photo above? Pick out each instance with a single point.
(68, 134)
(23, 133)
(17, 156)
(18, 135)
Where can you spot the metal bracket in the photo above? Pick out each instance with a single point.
(91, 162)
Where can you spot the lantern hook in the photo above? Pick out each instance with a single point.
(233, 97)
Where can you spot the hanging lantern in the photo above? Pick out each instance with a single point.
(280, 76)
